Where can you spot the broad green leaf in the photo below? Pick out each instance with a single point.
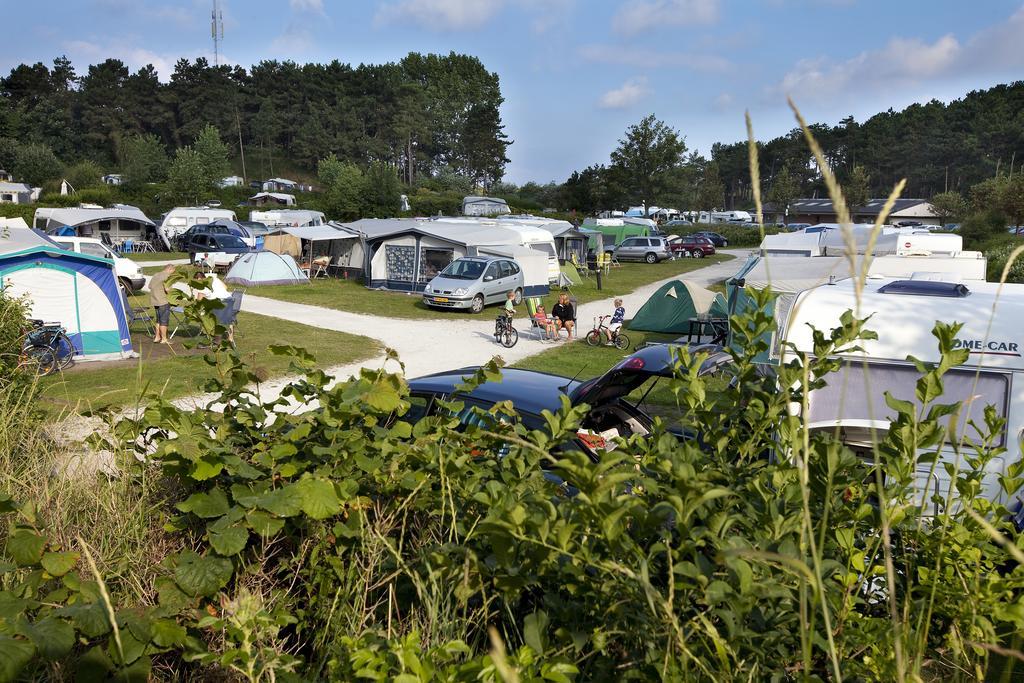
(284, 502)
(59, 564)
(202, 575)
(229, 541)
(535, 631)
(263, 523)
(25, 547)
(206, 468)
(206, 505)
(168, 633)
(14, 655)
(94, 665)
(88, 617)
(319, 500)
(52, 637)
(130, 646)
(170, 597)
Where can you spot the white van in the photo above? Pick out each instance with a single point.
(181, 218)
(903, 313)
(128, 272)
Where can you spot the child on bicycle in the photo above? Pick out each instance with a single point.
(550, 329)
(506, 315)
(615, 324)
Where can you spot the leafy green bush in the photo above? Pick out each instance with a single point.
(738, 235)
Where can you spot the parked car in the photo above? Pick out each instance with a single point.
(798, 226)
(216, 250)
(649, 249)
(611, 414)
(128, 272)
(716, 239)
(219, 227)
(694, 246)
(677, 223)
(473, 282)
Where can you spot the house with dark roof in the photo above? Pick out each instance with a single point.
(816, 211)
(17, 193)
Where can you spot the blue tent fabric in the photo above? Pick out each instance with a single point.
(265, 268)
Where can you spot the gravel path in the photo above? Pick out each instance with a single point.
(427, 346)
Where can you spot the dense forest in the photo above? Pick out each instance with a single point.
(420, 115)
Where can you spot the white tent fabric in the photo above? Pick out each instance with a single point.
(12, 224)
(265, 268)
(318, 233)
(787, 274)
(533, 263)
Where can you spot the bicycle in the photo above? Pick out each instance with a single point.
(42, 338)
(504, 333)
(594, 337)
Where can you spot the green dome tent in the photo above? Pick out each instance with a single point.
(670, 308)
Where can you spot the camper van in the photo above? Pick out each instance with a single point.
(903, 313)
(181, 218)
(731, 217)
(287, 218)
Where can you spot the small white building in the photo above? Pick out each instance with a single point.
(17, 193)
(231, 181)
(113, 179)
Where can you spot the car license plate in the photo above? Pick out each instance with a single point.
(441, 299)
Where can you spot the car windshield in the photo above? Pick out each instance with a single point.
(229, 242)
(464, 270)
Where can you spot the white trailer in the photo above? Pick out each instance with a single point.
(287, 218)
(181, 218)
(903, 314)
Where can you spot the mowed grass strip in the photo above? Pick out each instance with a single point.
(143, 257)
(178, 371)
(351, 295)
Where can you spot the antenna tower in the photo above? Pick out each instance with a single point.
(217, 31)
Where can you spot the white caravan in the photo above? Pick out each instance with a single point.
(287, 218)
(181, 218)
(731, 217)
(903, 314)
(530, 235)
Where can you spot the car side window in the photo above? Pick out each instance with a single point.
(214, 243)
(492, 271)
(199, 240)
(514, 266)
(419, 406)
(628, 243)
(506, 269)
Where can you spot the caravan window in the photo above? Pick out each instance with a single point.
(857, 392)
(543, 247)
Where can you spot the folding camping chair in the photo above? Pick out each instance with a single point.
(581, 268)
(134, 314)
(531, 308)
(318, 266)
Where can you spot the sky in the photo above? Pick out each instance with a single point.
(576, 73)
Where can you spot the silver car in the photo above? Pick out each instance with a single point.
(473, 282)
(649, 249)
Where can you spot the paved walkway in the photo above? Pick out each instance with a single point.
(428, 346)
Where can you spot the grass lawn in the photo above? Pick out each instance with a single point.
(351, 295)
(176, 371)
(144, 256)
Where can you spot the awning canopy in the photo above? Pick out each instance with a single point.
(319, 233)
(79, 216)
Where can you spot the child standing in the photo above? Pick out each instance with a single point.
(615, 324)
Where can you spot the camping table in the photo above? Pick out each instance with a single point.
(712, 327)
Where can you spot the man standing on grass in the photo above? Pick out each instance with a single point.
(158, 296)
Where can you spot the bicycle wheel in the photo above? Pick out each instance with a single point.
(63, 349)
(38, 359)
(509, 337)
(594, 337)
(621, 342)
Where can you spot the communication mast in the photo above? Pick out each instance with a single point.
(217, 31)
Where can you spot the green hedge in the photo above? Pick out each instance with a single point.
(738, 235)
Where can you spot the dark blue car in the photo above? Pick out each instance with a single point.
(611, 414)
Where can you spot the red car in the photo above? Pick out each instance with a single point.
(691, 245)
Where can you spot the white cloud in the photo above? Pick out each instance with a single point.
(723, 101)
(644, 58)
(439, 14)
(906, 62)
(637, 16)
(133, 57)
(632, 90)
(312, 6)
(548, 14)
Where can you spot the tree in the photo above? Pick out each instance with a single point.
(84, 174)
(857, 189)
(1011, 198)
(343, 188)
(949, 207)
(784, 190)
(711, 193)
(143, 160)
(187, 179)
(483, 145)
(644, 158)
(35, 164)
(381, 191)
(213, 156)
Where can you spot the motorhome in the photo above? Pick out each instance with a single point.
(287, 218)
(903, 313)
(181, 218)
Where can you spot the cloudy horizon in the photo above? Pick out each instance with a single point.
(574, 75)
